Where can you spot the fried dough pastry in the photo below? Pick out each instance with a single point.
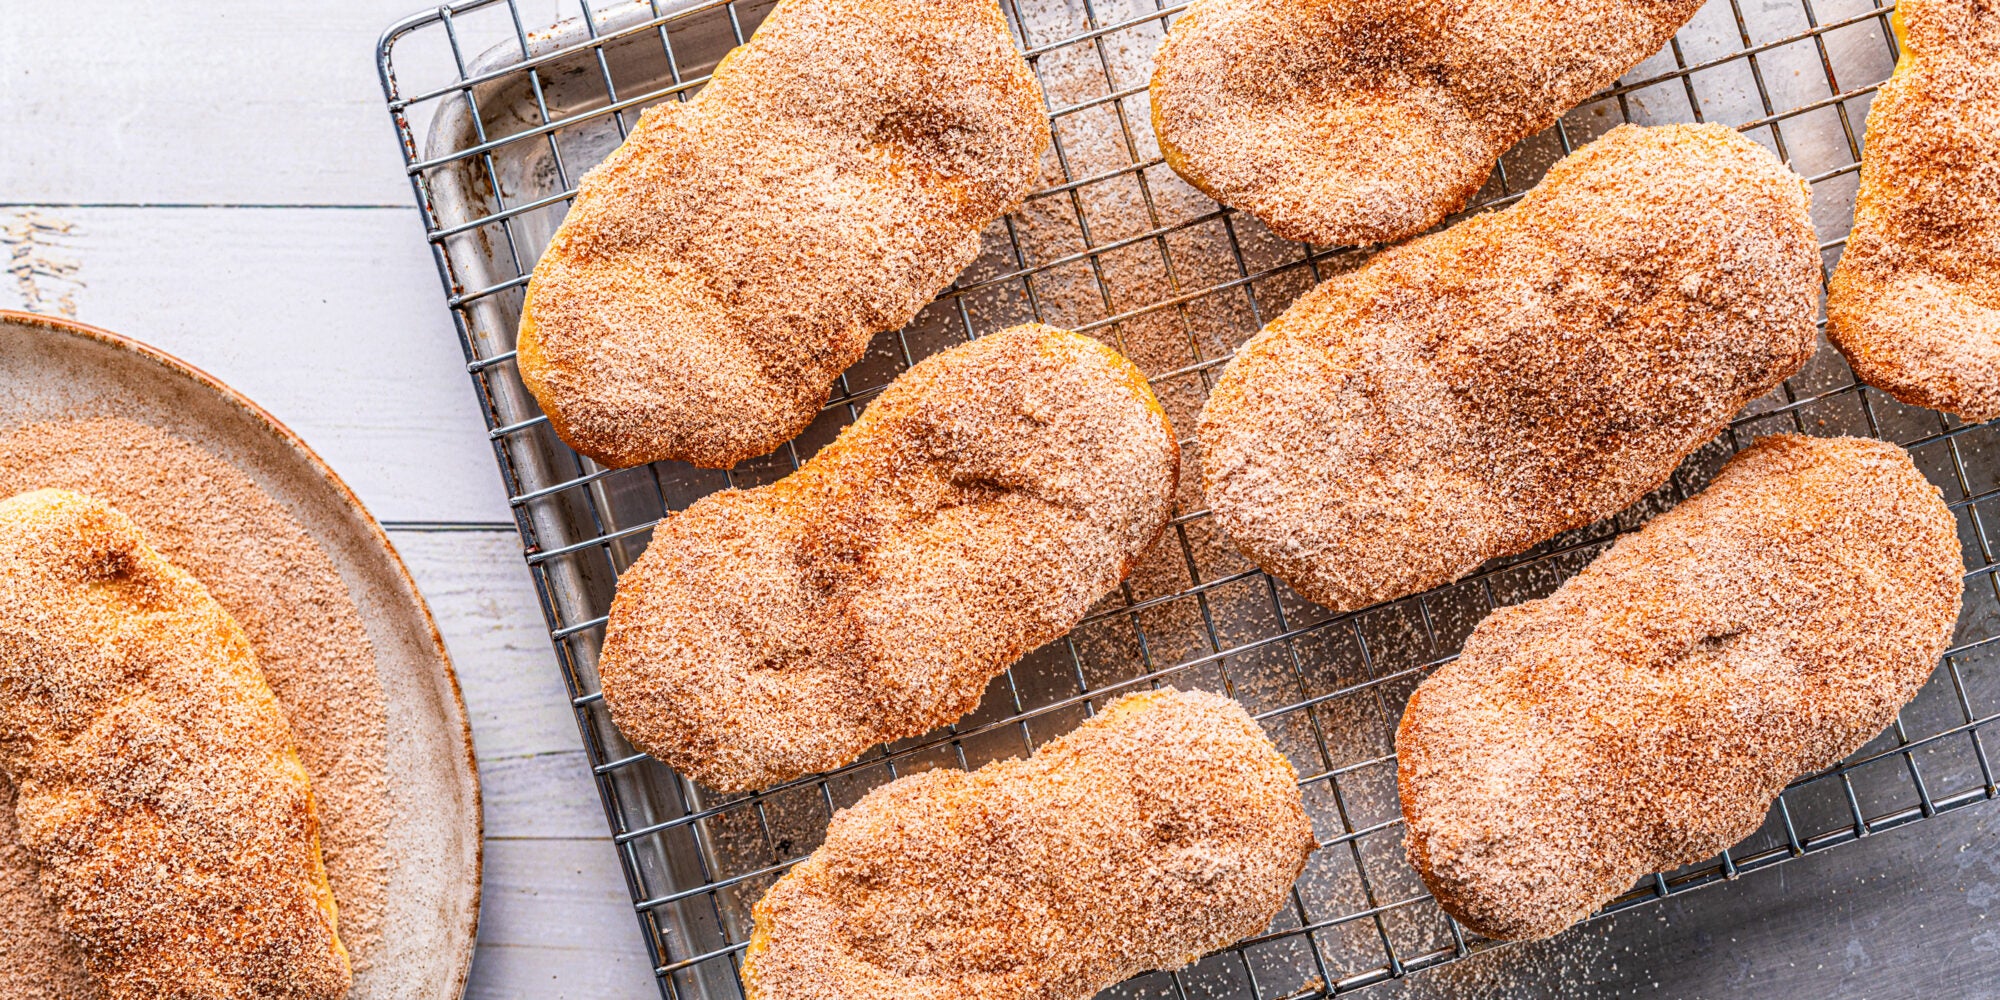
(1645, 715)
(1478, 391)
(1164, 828)
(1915, 302)
(720, 269)
(1350, 122)
(157, 786)
(975, 512)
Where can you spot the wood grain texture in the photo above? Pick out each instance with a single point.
(331, 319)
(557, 925)
(229, 102)
(478, 587)
(555, 920)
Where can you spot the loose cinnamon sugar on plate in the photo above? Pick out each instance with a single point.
(284, 591)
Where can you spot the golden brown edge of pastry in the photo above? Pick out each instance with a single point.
(1906, 384)
(528, 345)
(1130, 704)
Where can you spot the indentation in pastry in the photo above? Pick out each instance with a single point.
(1645, 715)
(1164, 828)
(718, 272)
(975, 512)
(1479, 391)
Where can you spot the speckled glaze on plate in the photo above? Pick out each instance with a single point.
(52, 369)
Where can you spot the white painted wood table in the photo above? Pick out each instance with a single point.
(218, 178)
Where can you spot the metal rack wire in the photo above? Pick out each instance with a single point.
(500, 107)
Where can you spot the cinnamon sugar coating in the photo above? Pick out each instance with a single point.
(1476, 392)
(1645, 715)
(1164, 828)
(718, 272)
(1351, 122)
(157, 784)
(1915, 302)
(975, 512)
(209, 519)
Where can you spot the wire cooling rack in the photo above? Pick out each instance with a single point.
(502, 104)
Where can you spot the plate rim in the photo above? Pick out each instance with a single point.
(64, 326)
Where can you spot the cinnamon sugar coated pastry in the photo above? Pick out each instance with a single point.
(1915, 302)
(1164, 828)
(1479, 391)
(279, 585)
(975, 512)
(718, 272)
(157, 785)
(1645, 715)
(1350, 122)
